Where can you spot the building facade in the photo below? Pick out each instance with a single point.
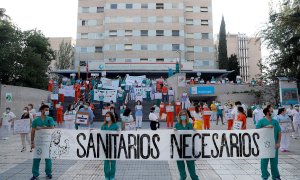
(248, 52)
(144, 35)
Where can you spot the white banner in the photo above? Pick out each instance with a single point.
(131, 79)
(154, 145)
(141, 92)
(22, 126)
(109, 95)
(110, 83)
(67, 91)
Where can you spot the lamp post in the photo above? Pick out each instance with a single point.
(179, 53)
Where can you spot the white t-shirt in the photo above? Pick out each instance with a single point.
(153, 117)
(296, 117)
(258, 114)
(6, 117)
(197, 116)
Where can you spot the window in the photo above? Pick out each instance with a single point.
(159, 47)
(205, 49)
(175, 5)
(99, 35)
(84, 35)
(190, 48)
(175, 32)
(82, 63)
(100, 9)
(144, 59)
(127, 60)
(159, 5)
(84, 22)
(144, 6)
(144, 32)
(144, 19)
(128, 32)
(175, 47)
(113, 33)
(159, 19)
(128, 19)
(175, 19)
(189, 35)
(128, 6)
(112, 59)
(85, 9)
(189, 21)
(189, 60)
(113, 6)
(144, 47)
(112, 47)
(83, 50)
(204, 22)
(159, 32)
(98, 49)
(205, 36)
(128, 47)
(205, 63)
(160, 60)
(203, 9)
(189, 8)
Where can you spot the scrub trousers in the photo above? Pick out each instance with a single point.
(220, 116)
(274, 167)
(25, 136)
(191, 168)
(36, 167)
(206, 122)
(285, 141)
(109, 169)
(229, 124)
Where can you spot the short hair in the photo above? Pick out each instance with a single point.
(127, 112)
(112, 116)
(152, 109)
(238, 103)
(240, 109)
(8, 108)
(43, 107)
(30, 105)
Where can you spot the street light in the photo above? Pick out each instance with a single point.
(179, 53)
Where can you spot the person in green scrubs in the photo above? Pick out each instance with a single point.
(184, 124)
(110, 165)
(269, 122)
(42, 122)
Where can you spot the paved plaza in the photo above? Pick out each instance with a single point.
(15, 165)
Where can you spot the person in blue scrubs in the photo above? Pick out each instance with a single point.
(269, 122)
(110, 165)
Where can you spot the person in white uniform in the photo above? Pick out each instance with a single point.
(5, 123)
(296, 122)
(286, 128)
(258, 114)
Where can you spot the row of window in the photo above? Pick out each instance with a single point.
(129, 33)
(145, 6)
(150, 19)
(197, 62)
(143, 47)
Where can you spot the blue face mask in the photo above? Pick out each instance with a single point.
(183, 117)
(107, 119)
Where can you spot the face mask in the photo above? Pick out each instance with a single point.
(46, 113)
(107, 119)
(183, 117)
(24, 111)
(81, 103)
(7, 111)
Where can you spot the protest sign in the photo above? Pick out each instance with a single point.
(169, 108)
(21, 126)
(158, 95)
(181, 81)
(154, 145)
(69, 117)
(110, 83)
(129, 126)
(82, 118)
(67, 91)
(237, 125)
(109, 95)
(54, 97)
(130, 80)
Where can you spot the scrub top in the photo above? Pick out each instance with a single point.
(47, 122)
(264, 122)
(188, 126)
(112, 127)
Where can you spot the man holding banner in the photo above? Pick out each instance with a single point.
(268, 122)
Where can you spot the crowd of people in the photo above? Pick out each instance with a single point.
(179, 114)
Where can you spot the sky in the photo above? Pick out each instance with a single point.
(58, 18)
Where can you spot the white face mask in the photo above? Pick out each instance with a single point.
(24, 111)
(47, 113)
(7, 111)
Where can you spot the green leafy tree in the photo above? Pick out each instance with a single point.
(3, 16)
(24, 56)
(222, 48)
(234, 66)
(281, 34)
(64, 56)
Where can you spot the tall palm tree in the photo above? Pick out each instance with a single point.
(3, 15)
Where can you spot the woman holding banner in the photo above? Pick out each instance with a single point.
(269, 122)
(184, 124)
(70, 123)
(139, 114)
(127, 120)
(242, 117)
(154, 119)
(110, 165)
(26, 115)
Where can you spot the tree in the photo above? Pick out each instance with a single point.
(222, 49)
(24, 56)
(234, 66)
(3, 16)
(281, 34)
(64, 56)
